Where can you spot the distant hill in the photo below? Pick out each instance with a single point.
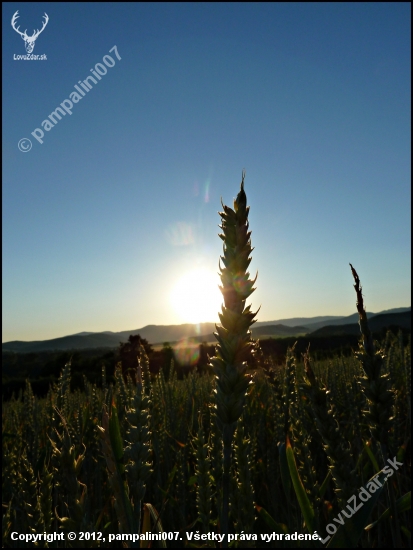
(376, 323)
(94, 340)
(312, 323)
(158, 334)
(153, 333)
(277, 330)
(349, 320)
(301, 321)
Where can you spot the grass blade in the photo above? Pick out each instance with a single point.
(348, 534)
(303, 500)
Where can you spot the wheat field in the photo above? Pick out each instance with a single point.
(230, 457)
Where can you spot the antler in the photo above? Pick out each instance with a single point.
(13, 24)
(36, 33)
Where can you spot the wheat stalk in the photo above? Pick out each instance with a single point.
(233, 335)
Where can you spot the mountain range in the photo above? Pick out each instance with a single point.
(203, 332)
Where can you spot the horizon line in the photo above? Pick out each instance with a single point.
(198, 323)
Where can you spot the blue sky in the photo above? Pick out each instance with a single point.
(120, 202)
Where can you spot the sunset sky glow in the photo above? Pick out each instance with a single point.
(105, 221)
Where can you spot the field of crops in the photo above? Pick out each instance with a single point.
(231, 457)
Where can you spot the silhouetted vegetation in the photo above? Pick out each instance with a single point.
(44, 368)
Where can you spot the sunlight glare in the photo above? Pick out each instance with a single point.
(196, 297)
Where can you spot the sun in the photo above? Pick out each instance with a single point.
(196, 297)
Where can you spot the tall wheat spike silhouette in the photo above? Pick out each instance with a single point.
(235, 345)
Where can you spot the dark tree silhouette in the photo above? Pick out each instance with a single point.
(129, 353)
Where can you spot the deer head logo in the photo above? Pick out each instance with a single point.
(29, 41)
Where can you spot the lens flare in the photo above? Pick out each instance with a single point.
(187, 353)
(206, 196)
(180, 234)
